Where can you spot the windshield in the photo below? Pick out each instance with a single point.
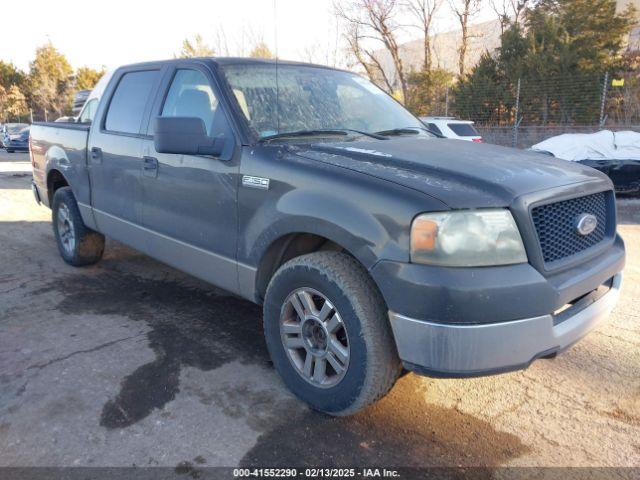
(16, 127)
(313, 98)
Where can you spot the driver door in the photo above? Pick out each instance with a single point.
(189, 201)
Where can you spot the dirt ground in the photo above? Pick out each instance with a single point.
(130, 362)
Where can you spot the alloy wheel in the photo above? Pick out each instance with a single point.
(65, 229)
(314, 337)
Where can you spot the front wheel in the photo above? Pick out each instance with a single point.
(328, 334)
(77, 243)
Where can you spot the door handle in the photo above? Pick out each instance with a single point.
(96, 154)
(150, 163)
(150, 166)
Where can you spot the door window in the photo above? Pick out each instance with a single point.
(128, 103)
(190, 95)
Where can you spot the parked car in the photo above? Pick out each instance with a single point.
(90, 103)
(617, 154)
(371, 244)
(79, 100)
(15, 136)
(450, 127)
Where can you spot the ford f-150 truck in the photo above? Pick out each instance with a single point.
(373, 245)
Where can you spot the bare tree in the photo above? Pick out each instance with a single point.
(328, 52)
(423, 11)
(464, 10)
(311, 53)
(248, 40)
(375, 20)
(510, 11)
(220, 44)
(367, 58)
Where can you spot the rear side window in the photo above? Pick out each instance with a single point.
(126, 109)
(434, 128)
(463, 129)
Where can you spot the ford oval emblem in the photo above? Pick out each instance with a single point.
(586, 224)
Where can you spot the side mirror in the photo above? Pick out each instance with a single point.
(184, 135)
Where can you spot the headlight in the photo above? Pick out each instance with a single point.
(467, 238)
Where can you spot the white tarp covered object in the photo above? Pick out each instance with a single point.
(603, 145)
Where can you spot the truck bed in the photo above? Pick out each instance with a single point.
(62, 147)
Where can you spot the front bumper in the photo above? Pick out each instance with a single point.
(478, 295)
(458, 350)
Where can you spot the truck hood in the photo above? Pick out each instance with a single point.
(460, 174)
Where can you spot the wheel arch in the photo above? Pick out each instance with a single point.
(291, 245)
(305, 221)
(55, 180)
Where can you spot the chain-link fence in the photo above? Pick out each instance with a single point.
(525, 112)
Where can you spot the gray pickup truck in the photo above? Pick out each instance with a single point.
(372, 244)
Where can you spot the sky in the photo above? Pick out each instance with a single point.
(110, 33)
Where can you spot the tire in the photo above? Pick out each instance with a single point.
(78, 244)
(357, 324)
(9, 151)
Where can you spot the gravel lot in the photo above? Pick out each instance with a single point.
(130, 362)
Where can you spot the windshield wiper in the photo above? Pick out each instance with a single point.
(398, 131)
(320, 132)
(408, 131)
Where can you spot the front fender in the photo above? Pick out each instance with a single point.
(369, 230)
(367, 216)
(318, 213)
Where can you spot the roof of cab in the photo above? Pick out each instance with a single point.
(230, 61)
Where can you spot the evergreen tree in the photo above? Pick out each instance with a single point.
(86, 77)
(195, 48)
(261, 50)
(15, 103)
(427, 91)
(50, 81)
(560, 57)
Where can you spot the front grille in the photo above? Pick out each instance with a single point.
(556, 225)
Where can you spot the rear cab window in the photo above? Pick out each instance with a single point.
(89, 111)
(127, 106)
(463, 129)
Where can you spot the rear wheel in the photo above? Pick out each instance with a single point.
(328, 334)
(78, 244)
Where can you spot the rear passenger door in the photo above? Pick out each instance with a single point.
(115, 150)
(189, 201)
